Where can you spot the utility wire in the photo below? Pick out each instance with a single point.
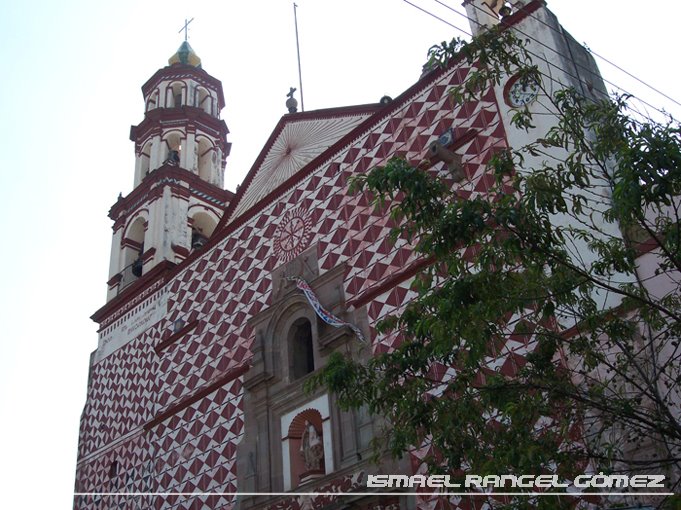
(501, 142)
(471, 20)
(631, 75)
(570, 74)
(629, 106)
(437, 17)
(577, 64)
(551, 27)
(528, 36)
(542, 58)
(550, 78)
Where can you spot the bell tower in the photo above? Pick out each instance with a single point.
(180, 154)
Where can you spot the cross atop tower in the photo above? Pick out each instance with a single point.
(185, 27)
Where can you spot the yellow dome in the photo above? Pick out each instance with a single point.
(185, 55)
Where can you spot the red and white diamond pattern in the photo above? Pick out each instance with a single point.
(121, 386)
(194, 450)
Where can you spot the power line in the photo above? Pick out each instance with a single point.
(550, 78)
(530, 37)
(577, 64)
(551, 27)
(631, 75)
(629, 105)
(438, 18)
(519, 31)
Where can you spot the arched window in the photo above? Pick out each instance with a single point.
(153, 101)
(145, 160)
(205, 162)
(133, 251)
(204, 101)
(173, 148)
(177, 95)
(301, 351)
(202, 227)
(174, 95)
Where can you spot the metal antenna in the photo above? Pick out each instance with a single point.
(300, 75)
(185, 27)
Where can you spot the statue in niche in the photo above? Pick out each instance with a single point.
(311, 448)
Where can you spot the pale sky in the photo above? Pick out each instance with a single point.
(71, 77)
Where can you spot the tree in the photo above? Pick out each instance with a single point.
(542, 276)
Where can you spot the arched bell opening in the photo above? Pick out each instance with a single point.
(202, 227)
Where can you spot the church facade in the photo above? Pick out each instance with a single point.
(220, 305)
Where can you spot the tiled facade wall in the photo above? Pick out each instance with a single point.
(194, 450)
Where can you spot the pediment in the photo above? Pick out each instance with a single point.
(296, 141)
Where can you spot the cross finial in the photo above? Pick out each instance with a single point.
(185, 27)
(290, 92)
